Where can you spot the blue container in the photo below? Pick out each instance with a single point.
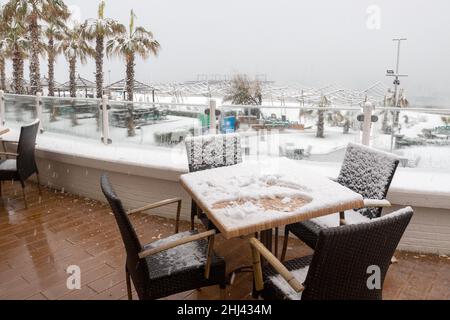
(228, 124)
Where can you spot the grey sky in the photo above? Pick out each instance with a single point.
(309, 42)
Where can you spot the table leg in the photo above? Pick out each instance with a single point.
(266, 239)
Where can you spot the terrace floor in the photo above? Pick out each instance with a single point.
(37, 244)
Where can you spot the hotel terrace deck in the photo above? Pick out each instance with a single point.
(37, 244)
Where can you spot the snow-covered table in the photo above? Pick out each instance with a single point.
(3, 130)
(259, 195)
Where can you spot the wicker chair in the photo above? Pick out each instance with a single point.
(346, 264)
(178, 263)
(207, 152)
(24, 164)
(366, 171)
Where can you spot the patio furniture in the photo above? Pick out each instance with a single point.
(348, 263)
(24, 164)
(178, 263)
(207, 152)
(258, 196)
(366, 171)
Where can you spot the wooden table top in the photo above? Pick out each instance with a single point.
(3, 130)
(258, 195)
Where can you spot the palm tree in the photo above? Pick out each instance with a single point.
(245, 92)
(15, 44)
(75, 47)
(3, 50)
(137, 41)
(54, 32)
(100, 29)
(324, 102)
(29, 12)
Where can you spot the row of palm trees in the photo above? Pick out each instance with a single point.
(30, 29)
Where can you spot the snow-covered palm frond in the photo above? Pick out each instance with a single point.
(74, 45)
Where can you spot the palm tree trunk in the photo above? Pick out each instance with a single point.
(18, 72)
(2, 74)
(73, 88)
(35, 76)
(99, 48)
(51, 67)
(129, 88)
(72, 80)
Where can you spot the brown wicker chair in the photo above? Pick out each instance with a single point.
(344, 259)
(24, 164)
(207, 152)
(366, 171)
(178, 263)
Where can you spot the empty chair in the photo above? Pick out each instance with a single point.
(24, 163)
(178, 263)
(349, 262)
(207, 152)
(366, 171)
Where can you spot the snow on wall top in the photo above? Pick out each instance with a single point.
(245, 185)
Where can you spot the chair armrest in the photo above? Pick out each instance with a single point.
(257, 249)
(376, 203)
(175, 243)
(156, 205)
(11, 154)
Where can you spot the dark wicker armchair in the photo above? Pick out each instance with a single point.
(24, 164)
(207, 152)
(349, 262)
(178, 263)
(366, 171)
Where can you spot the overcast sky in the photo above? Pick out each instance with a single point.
(320, 42)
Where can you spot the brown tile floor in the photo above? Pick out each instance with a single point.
(37, 244)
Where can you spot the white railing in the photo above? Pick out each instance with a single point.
(105, 106)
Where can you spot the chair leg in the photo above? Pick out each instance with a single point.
(127, 276)
(24, 194)
(39, 184)
(276, 242)
(285, 243)
(193, 213)
(223, 292)
(177, 223)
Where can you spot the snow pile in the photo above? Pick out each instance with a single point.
(283, 286)
(188, 255)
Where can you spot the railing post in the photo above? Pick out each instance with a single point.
(39, 110)
(105, 120)
(2, 107)
(212, 116)
(367, 124)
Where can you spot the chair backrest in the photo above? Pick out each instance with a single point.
(368, 172)
(213, 151)
(26, 162)
(346, 257)
(137, 268)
